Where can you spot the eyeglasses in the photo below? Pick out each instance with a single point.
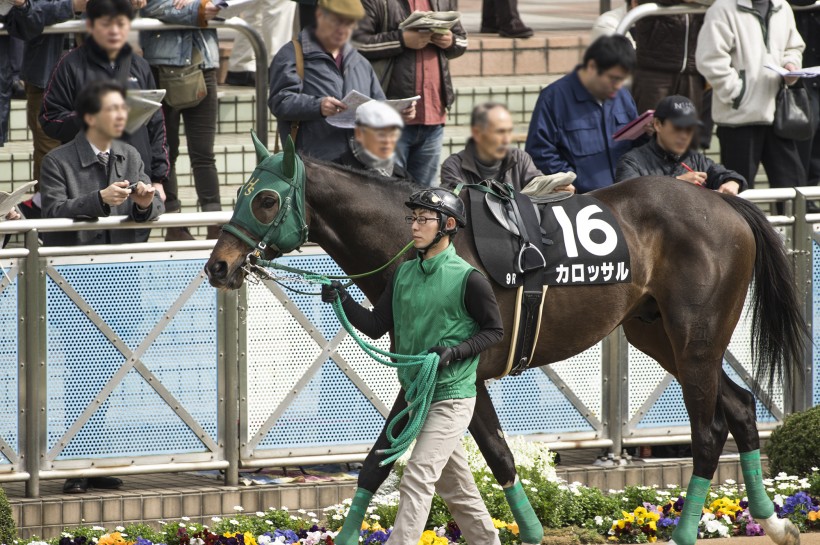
(421, 220)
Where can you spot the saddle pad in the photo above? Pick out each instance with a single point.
(588, 246)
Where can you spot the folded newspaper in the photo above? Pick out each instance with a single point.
(5, 6)
(142, 104)
(811, 72)
(354, 99)
(10, 200)
(436, 21)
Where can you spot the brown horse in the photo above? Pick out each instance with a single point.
(693, 256)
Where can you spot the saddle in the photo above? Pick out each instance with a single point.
(528, 244)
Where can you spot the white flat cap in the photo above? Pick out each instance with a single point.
(378, 115)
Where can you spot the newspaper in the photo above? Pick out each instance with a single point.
(5, 6)
(232, 8)
(354, 99)
(811, 72)
(10, 200)
(142, 104)
(435, 21)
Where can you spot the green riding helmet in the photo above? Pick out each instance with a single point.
(440, 200)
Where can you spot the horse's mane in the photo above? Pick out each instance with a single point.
(406, 187)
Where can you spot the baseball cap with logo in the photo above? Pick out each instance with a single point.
(679, 110)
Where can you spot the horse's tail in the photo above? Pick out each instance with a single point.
(779, 332)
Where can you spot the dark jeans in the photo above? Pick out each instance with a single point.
(5, 86)
(496, 14)
(419, 152)
(743, 148)
(810, 149)
(200, 132)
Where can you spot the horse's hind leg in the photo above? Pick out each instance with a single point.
(739, 409)
(486, 431)
(371, 477)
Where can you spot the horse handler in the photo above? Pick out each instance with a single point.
(435, 303)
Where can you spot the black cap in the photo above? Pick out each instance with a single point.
(679, 110)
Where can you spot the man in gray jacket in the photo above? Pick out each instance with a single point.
(95, 175)
(332, 68)
(489, 154)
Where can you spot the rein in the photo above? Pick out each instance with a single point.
(419, 395)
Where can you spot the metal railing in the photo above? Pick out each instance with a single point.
(155, 25)
(654, 10)
(113, 341)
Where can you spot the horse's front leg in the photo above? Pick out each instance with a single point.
(487, 433)
(371, 478)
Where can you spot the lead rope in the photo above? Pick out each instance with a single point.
(419, 395)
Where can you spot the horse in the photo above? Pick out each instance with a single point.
(693, 256)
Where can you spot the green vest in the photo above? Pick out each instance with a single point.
(428, 310)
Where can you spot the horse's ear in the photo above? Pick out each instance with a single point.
(262, 152)
(289, 160)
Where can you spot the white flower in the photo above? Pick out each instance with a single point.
(98, 528)
(301, 511)
(216, 519)
(533, 489)
(731, 481)
(497, 486)
(269, 522)
(526, 482)
(283, 508)
(119, 529)
(186, 519)
(264, 539)
(260, 514)
(294, 517)
(599, 520)
(238, 508)
(182, 525)
(234, 522)
(197, 541)
(337, 517)
(374, 517)
(162, 522)
(815, 469)
(312, 515)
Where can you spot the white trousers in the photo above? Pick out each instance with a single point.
(273, 20)
(439, 464)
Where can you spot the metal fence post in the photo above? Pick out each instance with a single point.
(612, 402)
(35, 375)
(798, 394)
(230, 309)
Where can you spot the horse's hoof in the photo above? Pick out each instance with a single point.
(781, 531)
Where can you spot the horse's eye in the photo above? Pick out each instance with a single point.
(268, 202)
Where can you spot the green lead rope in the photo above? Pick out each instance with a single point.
(419, 394)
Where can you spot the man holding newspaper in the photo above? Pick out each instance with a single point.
(411, 44)
(319, 75)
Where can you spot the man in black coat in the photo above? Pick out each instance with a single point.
(105, 55)
(808, 24)
(670, 152)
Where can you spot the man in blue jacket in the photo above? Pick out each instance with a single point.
(575, 117)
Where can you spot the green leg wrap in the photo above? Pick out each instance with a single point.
(352, 527)
(686, 532)
(760, 506)
(530, 529)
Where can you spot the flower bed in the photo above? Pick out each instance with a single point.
(634, 515)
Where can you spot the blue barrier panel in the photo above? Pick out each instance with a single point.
(140, 307)
(9, 368)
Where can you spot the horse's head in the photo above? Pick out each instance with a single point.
(268, 219)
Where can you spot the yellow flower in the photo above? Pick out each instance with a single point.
(114, 538)
(653, 526)
(613, 538)
(249, 539)
(652, 539)
(376, 527)
(499, 524)
(814, 515)
(365, 525)
(513, 527)
(428, 537)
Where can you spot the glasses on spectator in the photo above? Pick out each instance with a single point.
(384, 135)
(421, 220)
